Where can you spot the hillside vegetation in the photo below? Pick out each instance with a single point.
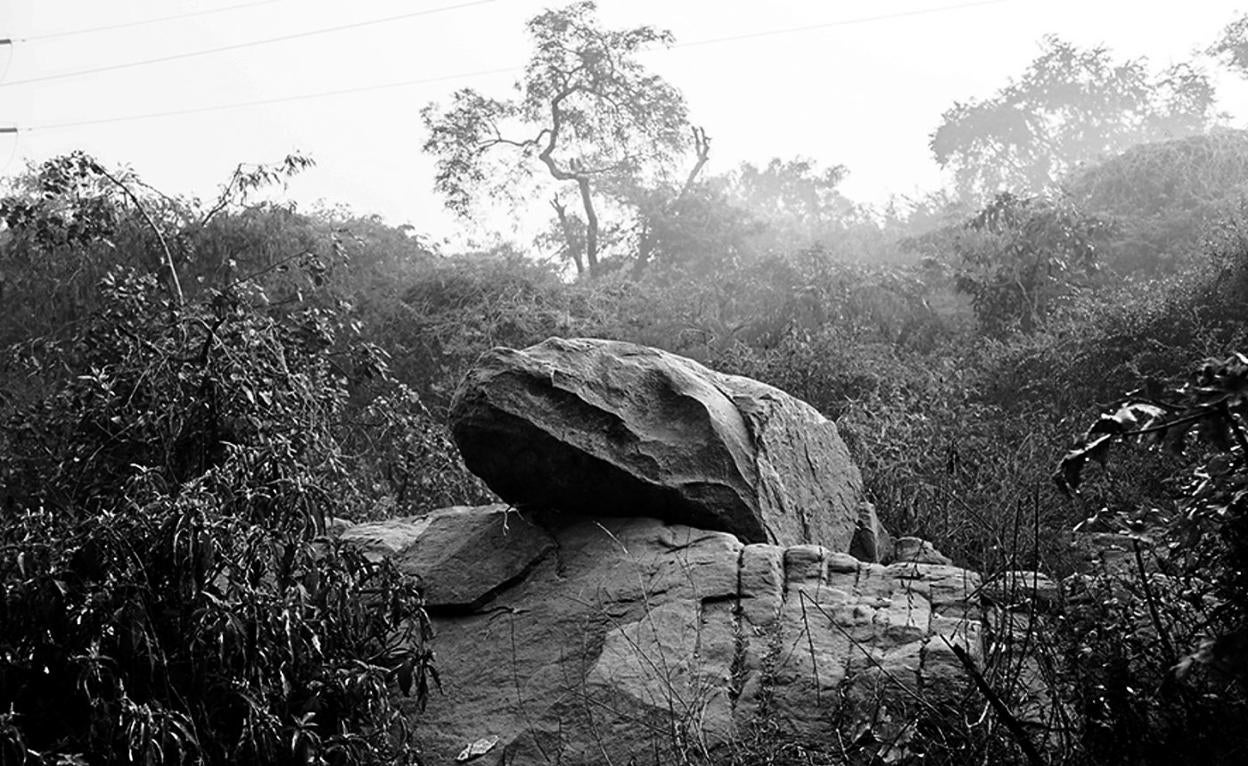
(191, 391)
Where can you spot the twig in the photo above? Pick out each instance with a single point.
(999, 707)
(866, 652)
(810, 641)
(1162, 634)
(160, 237)
(276, 264)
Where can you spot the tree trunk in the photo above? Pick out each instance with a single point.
(645, 244)
(569, 237)
(591, 226)
(645, 248)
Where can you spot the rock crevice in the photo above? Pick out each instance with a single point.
(605, 428)
(684, 556)
(656, 633)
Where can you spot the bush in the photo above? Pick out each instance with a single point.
(1159, 653)
(1162, 197)
(451, 312)
(1019, 259)
(168, 592)
(1105, 343)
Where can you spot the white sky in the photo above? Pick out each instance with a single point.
(865, 94)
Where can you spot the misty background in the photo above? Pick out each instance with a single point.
(250, 250)
(859, 85)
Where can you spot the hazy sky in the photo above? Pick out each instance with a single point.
(865, 93)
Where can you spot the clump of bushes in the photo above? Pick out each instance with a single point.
(167, 590)
(1159, 653)
(168, 461)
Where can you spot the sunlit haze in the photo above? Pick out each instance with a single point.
(850, 82)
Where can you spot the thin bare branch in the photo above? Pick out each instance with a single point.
(147, 218)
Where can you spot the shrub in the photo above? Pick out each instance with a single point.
(168, 593)
(1105, 343)
(458, 308)
(1019, 259)
(1162, 197)
(1160, 652)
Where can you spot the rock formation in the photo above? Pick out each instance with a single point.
(623, 638)
(671, 571)
(603, 428)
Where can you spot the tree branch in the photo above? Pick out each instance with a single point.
(573, 251)
(582, 180)
(552, 139)
(998, 706)
(224, 199)
(591, 226)
(160, 237)
(702, 145)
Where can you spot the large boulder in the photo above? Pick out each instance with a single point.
(605, 428)
(629, 640)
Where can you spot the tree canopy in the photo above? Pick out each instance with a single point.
(586, 112)
(1232, 45)
(1072, 106)
(195, 394)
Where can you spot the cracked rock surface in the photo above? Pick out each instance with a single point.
(605, 428)
(619, 638)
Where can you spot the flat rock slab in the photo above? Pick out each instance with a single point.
(605, 428)
(634, 638)
(463, 555)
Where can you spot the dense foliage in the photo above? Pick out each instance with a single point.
(171, 462)
(1164, 672)
(587, 112)
(1161, 197)
(191, 392)
(168, 591)
(1070, 107)
(1019, 258)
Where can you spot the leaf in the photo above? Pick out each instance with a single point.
(1215, 431)
(1070, 470)
(1220, 465)
(405, 676)
(1128, 420)
(477, 749)
(1133, 416)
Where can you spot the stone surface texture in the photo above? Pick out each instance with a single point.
(463, 555)
(871, 542)
(628, 639)
(605, 428)
(917, 551)
(1021, 608)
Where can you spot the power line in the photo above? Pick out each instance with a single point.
(264, 101)
(478, 73)
(839, 23)
(8, 61)
(8, 163)
(248, 44)
(140, 22)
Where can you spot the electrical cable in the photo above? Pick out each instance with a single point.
(8, 62)
(263, 101)
(140, 22)
(248, 44)
(17, 138)
(468, 75)
(840, 23)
